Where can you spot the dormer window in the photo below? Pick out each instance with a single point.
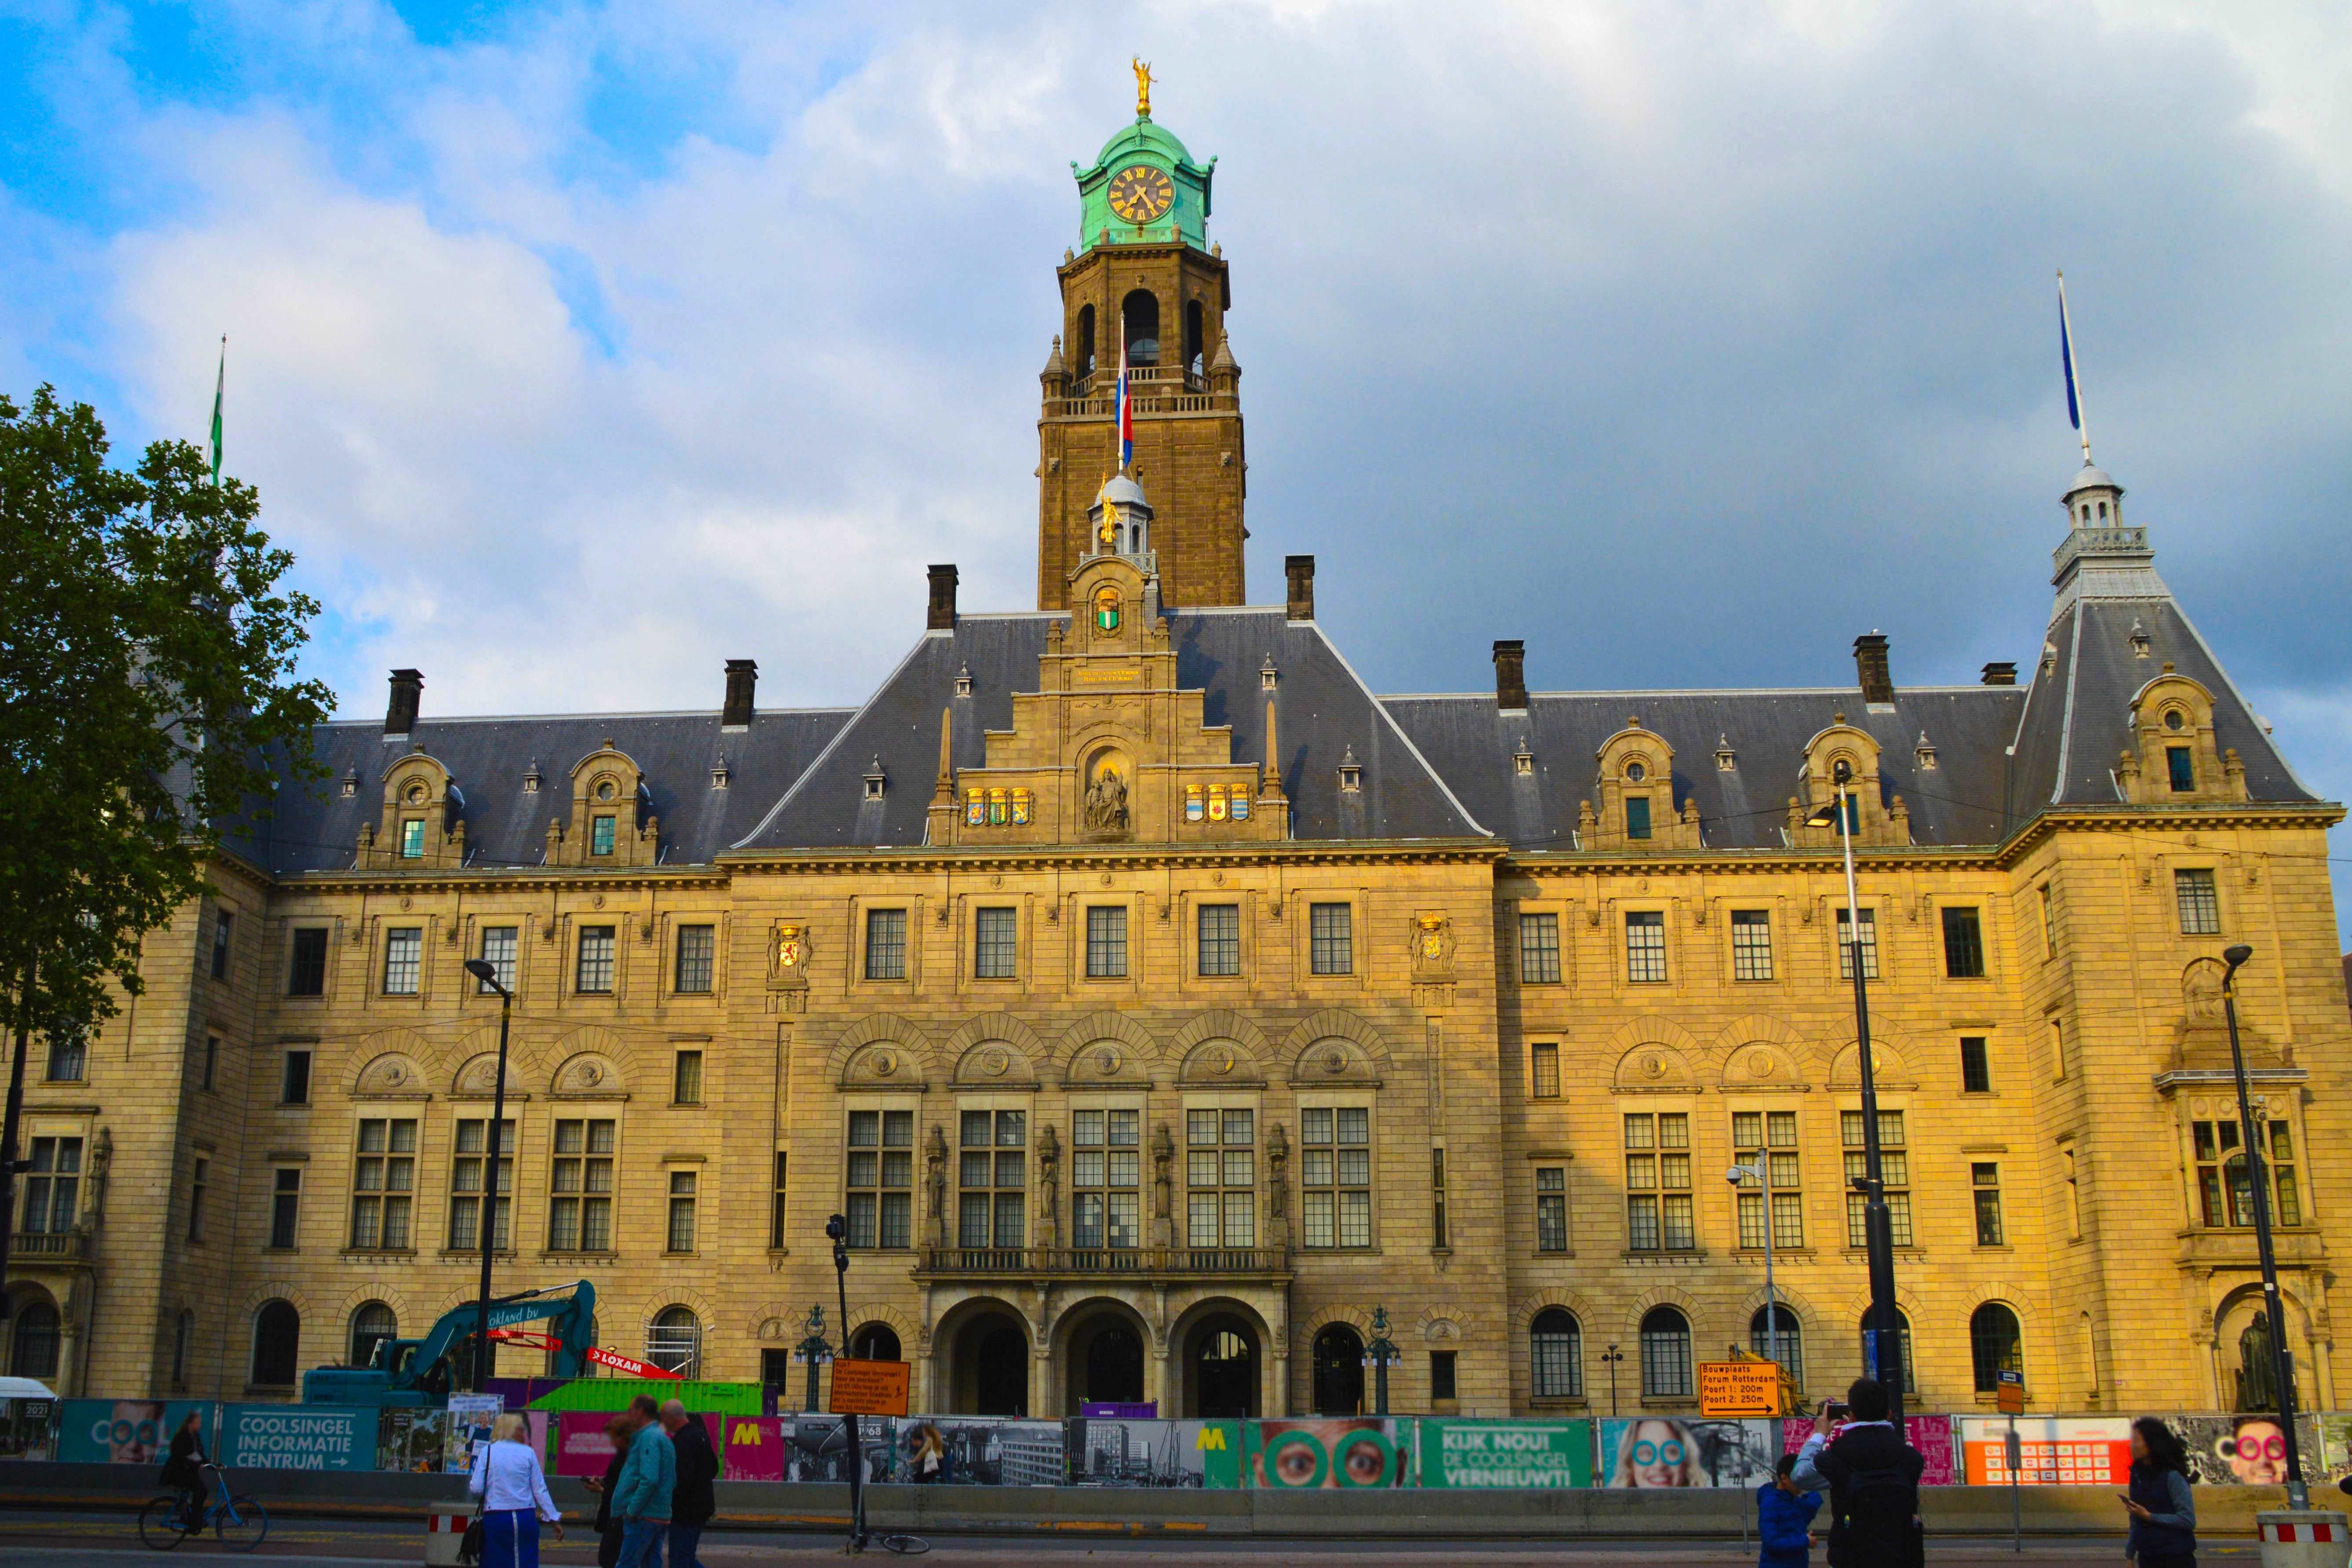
(1635, 773)
(1523, 761)
(604, 790)
(1926, 753)
(1637, 808)
(2174, 720)
(1268, 678)
(2180, 767)
(600, 834)
(876, 779)
(412, 838)
(1351, 775)
(719, 772)
(963, 681)
(1727, 761)
(530, 777)
(2139, 645)
(351, 783)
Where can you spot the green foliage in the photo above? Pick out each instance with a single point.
(147, 697)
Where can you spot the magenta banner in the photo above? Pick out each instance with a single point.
(1931, 1434)
(754, 1450)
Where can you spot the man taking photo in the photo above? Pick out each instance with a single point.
(1873, 1477)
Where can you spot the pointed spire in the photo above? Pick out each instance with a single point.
(1273, 755)
(1053, 361)
(944, 792)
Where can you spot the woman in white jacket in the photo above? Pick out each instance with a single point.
(512, 1485)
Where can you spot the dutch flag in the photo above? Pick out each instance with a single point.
(1125, 410)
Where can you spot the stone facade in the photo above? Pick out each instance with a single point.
(1158, 1003)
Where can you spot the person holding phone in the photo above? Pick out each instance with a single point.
(1873, 1477)
(2163, 1512)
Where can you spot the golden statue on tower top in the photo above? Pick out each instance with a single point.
(1142, 86)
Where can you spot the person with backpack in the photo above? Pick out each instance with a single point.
(1873, 1477)
(2163, 1513)
(1784, 1519)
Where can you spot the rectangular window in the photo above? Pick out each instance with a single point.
(285, 1209)
(698, 954)
(2049, 922)
(776, 1202)
(1751, 944)
(994, 945)
(403, 960)
(1769, 1136)
(294, 1078)
(1336, 1172)
(498, 949)
(600, 834)
(1441, 1375)
(199, 1179)
(1976, 1066)
(885, 944)
(881, 1176)
(992, 1180)
(1551, 1208)
(1221, 1177)
(68, 1055)
(2224, 1191)
(1437, 1197)
(1986, 1179)
(1105, 1179)
(594, 975)
(580, 1187)
(2057, 1048)
(470, 1155)
(1963, 944)
(52, 1188)
(1107, 941)
(2199, 902)
(1544, 1055)
(1637, 817)
(224, 925)
(211, 1068)
(1869, 944)
(1658, 1216)
(686, 1078)
(383, 1180)
(1331, 939)
(1645, 946)
(2179, 768)
(1895, 1167)
(306, 962)
(412, 839)
(681, 1211)
(1221, 939)
(1539, 950)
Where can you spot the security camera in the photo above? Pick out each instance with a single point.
(1736, 1174)
(836, 1227)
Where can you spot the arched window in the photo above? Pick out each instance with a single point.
(1995, 1344)
(35, 1353)
(1195, 320)
(371, 1324)
(1666, 1355)
(674, 1341)
(1782, 1340)
(1895, 1371)
(1085, 359)
(1139, 319)
(276, 1345)
(875, 1341)
(1556, 1355)
(183, 1334)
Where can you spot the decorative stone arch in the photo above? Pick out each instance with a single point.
(2174, 711)
(1139, 1051)
(771, 1323)
(590, 1063)
(999, 1027)
(950, 1322)
(474, 1066)
(278, 1290)
(1653, 1067)
(909, 1332)
(1573, 1303)
(1338, 1314)
(417, 788)
(1784, 1046)
(1888, 1069)
(656, 1302)
(1445, 1324)
(859, 1047)
(1637, 765)
(1857, 1304)
(1796, 1302)
(1759, 1066)
(1219, 1024)
(1137, 1314)
(392, 1064)
(1881, 819)
(1658, 1296)
(378, 1291)
(607, 782)
(1335, 1023)
(1650, 1030)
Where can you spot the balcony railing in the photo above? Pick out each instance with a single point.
(1143, 380)
(1029, 1262)
(59, 1246)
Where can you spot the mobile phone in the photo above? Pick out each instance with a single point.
(1834, 1409)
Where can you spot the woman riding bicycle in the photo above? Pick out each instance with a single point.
(183, 1468)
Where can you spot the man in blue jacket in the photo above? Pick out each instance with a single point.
(642, 1492)
(1784, 1519)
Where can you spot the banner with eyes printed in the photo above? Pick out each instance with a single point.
(1343, 1451)
(1654, 1451)
(2245, 1449)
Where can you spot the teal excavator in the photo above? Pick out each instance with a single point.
(419, 1372)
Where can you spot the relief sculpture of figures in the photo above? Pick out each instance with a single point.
(935, 1177)
(1106, 803)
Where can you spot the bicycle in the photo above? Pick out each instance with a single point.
(240, 1522)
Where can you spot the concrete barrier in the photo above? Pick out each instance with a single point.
(1405, 1513)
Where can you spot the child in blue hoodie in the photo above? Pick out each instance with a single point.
(1784, 1518)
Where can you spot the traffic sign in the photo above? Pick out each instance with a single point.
(869, 1387)
(1737, 1388)
(2009, 1394)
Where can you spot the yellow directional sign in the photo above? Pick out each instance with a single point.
(1735, 1388)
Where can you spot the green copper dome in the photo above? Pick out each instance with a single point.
(1143, 188)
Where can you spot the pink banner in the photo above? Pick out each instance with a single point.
(580, 1446)
(1931, 1434)
(754, 1450)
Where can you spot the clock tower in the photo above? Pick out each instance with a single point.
(1144, 275)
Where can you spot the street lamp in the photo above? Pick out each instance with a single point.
(814, 1350)
(487, 973)
(2258, 1175)
(1761, 1171)
(1380, 1355)
(1609, 1358)
(1878, 1234)
(837, 1228)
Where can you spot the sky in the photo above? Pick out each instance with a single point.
(577, 348)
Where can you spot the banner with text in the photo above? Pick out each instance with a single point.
(128, 1431)
(1495, 1454)
(298, 1436)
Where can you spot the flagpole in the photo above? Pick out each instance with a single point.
(2074, 381)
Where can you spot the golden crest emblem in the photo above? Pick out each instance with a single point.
(791, 947)
(1107, 609)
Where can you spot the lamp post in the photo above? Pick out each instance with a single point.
(1762, 1172)
(1609, 1358)
(493, 1157)
(1878, 1233)
(2258, 1175)
(837, 1228)
(1380, 1355)
(814, 1350)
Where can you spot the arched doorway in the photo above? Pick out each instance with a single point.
(987, 1353)
(39, 1332)
(1339, 1372)
(1220, 1369)
(875, 1341)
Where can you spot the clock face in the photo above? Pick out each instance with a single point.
(1142, 194)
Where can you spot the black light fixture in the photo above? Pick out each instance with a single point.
(2258, 1177)
(483, 970)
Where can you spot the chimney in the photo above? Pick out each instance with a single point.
(1870, 659)
(1300, 570)
(742, 677)
(1510, 674)
(2001, 672)
(408, 687)
(943, 596)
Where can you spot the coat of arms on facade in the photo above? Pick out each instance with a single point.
(1107, 609)
(789, 970)
(1432, 946)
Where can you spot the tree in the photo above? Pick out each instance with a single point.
(147, 702)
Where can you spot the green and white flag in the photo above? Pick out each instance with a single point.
(220, 387)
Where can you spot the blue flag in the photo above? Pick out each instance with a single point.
(2066, 361)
